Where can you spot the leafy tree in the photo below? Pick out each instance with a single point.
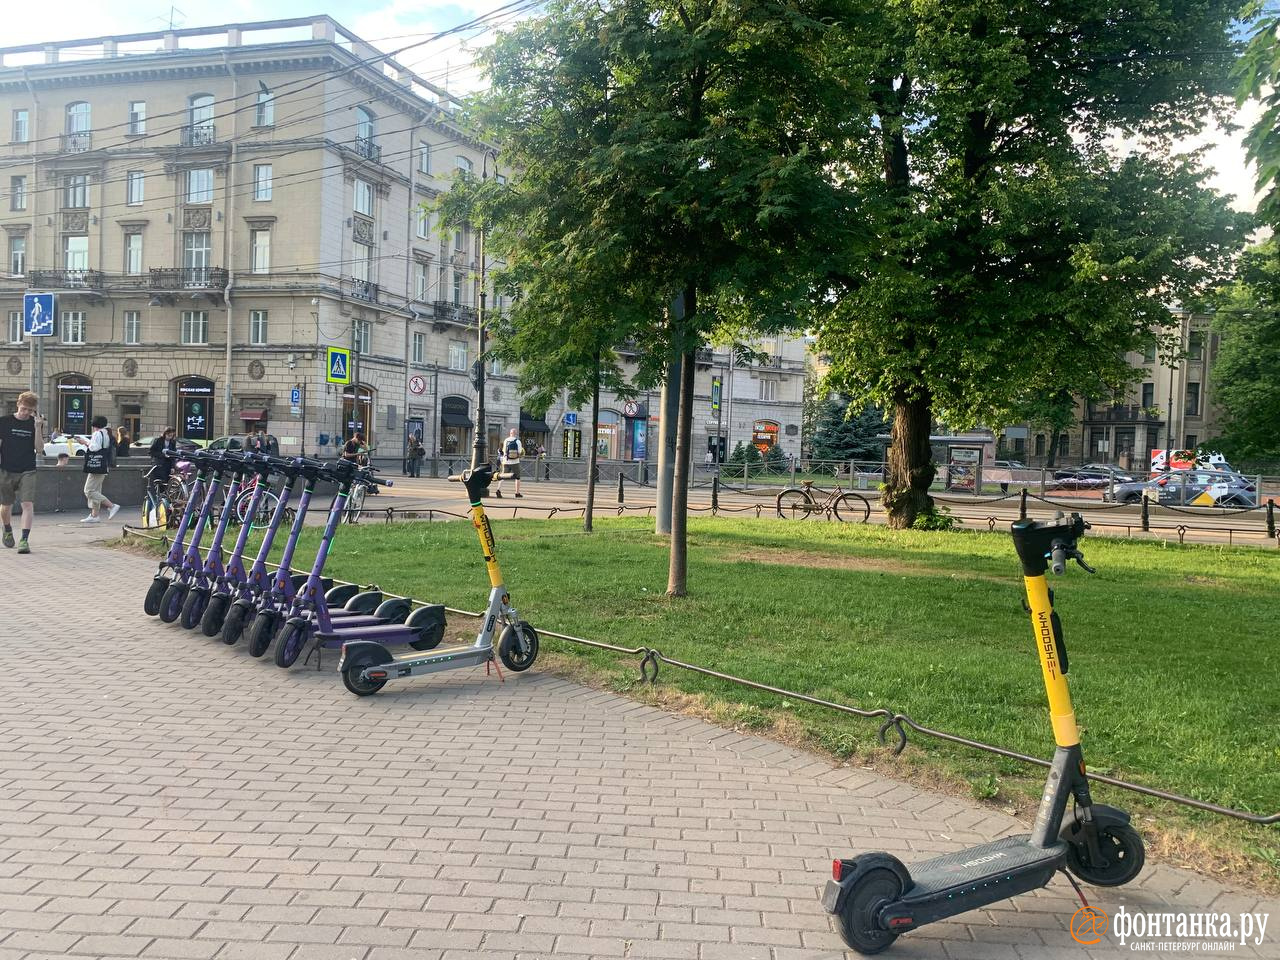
(1258, 73)
(653, 164)
(1012, 252)
(1248, 361)
(843, 434)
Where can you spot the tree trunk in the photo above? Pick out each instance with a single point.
(591, 457)
(910, 469)
(1054, 437)
(678, 568)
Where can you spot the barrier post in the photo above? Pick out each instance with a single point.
(1022, 505)
(621, 497)
(715, 493)
(1146, 514)
(1271, 519)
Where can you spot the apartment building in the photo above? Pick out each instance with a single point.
(214, 207)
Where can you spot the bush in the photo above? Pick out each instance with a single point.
(935, 518)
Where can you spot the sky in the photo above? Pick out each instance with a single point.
(390, 24)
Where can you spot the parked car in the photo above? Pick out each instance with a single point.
(74, 444)
(143, 444)
(1091, 476)
(1198, 488)
(241, 442)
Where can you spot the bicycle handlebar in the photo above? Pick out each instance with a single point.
(1054, 541)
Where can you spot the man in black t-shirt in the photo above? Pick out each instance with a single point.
(20, 438)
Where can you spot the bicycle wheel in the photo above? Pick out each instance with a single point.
(355, 503)
(262, 516)
(852, 508)
(795, 504)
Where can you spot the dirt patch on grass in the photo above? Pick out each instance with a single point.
(827, 561)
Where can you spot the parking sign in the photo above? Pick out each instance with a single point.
(38, 313)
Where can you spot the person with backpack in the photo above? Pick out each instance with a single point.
(99, 458)
(21, 436)
(512, 451)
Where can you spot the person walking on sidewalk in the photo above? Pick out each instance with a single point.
(512, 451)
(20, 437)
(98, 461)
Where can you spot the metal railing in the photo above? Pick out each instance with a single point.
(87, 279)
(198, 135)
(77, 142)
(187, 278)
(362, 289)
(365, 147)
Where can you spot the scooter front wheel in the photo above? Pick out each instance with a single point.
(263, 632)
(289, 644)
(215, 612)
(857, 918)
(155, 593)
(193, 607)
(233, 623)
(171, 603)
(352, 681)
(1123, 852)
(518, 650)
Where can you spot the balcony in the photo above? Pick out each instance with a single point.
(366, 148)
(1122, 413)
(188, 278)
(703, 359)
(65, 279)
(75, 142)
(362, 289)
(198, 135)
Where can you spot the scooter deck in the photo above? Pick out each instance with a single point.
(350, 628)
(955, 882)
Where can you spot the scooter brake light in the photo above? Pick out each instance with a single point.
(836, 869)
(376, 674)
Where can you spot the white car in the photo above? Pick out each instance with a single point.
(73, 444)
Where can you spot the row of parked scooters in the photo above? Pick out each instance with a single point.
(198, 583)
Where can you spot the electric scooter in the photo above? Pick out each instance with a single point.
(185, 572)
(310, 611)
(173, 558)
(201, 583)
(875, 897)
(366, 664)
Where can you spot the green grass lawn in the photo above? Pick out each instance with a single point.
(1173, 649)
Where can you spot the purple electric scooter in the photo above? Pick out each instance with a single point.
(173, 558)
(191, 563)
(201, 584)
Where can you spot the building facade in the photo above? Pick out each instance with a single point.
(214, 208)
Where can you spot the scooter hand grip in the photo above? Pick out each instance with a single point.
(1058, 559)
(457, 478)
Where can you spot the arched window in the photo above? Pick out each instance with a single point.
(365, 121)
(78, 118)
(75, 403)
(455, 426)
(357, 412)
(193, 399)
(609, 436)
(201, 109)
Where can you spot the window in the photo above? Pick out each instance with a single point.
(768, 389)
(137, 117)
(200, 186)
(1148, 395)
(21, 126)
(457, 355)
(195, 258)
(457, 288)
(460, 238)
(1192, 408)
(133, 254)
(364, 124)
(266, 113)
(1039, 444)
(363, 202)
(463, 165)
(75, 253)
(259, 251)
(15, 326)
(132, 327)
(262, 181)
(1149, 354)
(424, 223)
(258, 328)
(420, 273)
(73, 326)
(364, 336)
(495, 366)
(78, 117)
(1064, 445)
(133, 187)
(1195, 345)
(18, 193)
(18, 256)
(195, 327)
(201, 108)
(424, 158)
(1192, 442)
(419, 348)
(361, 260)
(75, 192)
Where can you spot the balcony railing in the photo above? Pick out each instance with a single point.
(367, 149)
(703, 358)
(198, 135)
(1122, 413)
(188, 278)
(76, 142)
(362, 289)
(86, 279)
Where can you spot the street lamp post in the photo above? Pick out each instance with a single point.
(481, 439)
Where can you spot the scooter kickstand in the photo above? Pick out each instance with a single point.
(491, 662)
(317, 650)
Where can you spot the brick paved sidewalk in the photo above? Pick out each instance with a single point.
(165, 796)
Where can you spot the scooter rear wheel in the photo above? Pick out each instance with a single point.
(215, 612)
(263, 632)
(155, 592)
(233, 623)
(513, 657)
(1123, 849)
(193, 607)
(289, 644)
(857, 918)
(171, 603)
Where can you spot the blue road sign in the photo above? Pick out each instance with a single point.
(38, 313)
(338, 365)
(570, 419)
(295, 396)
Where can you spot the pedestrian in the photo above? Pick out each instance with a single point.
(123, 440)
(355, 449)
(709, 460)
(416, 453)
(161, 463)
(512, 451)
(98, 460)
(20, 438)
(63, 459)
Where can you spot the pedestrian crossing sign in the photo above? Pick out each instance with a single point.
(338, 365)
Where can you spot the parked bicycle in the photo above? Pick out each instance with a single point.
(800, 503)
